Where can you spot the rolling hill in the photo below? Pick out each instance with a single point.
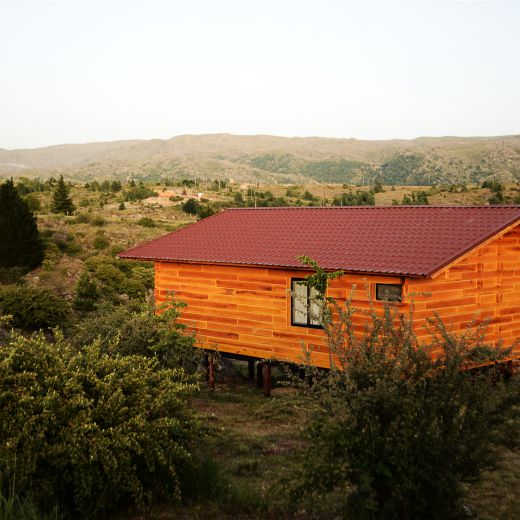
(268, 159)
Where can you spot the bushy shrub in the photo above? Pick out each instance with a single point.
(33, 307)
(90, 431)
(52, 256)
(33, 202)
(11, 275)
(146, 222)
(100, 241)
(191, 206)
(396, 430)
(98, 221)
(141, 331)
(82, 218)
(87, 293)
(116, 277)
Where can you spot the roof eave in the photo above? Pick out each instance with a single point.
(275, 266)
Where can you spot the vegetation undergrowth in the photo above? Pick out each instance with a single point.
(399, 426)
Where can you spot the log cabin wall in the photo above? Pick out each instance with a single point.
(247, 310)
(484, 285)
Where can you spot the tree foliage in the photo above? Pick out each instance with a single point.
(91, 431)
(61, 201)
(33, 307)
(399, 427)
(191, 206)
(136, 329)
(20, 244)
(360, 198)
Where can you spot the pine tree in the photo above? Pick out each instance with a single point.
(20, 244)
(61, 201)
(87, 293)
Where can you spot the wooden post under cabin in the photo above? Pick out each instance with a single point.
(259, 374)
(267, 380)
(251, 368)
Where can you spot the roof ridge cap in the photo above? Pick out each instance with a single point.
(396, 207)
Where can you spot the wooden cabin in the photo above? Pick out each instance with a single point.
(235, 270)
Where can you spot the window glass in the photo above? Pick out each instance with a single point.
(305, 310)
(315, 314)
(299, 303)
(389, 292)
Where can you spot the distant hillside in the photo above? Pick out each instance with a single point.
(247, 159)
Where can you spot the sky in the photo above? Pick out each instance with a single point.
(79, 71)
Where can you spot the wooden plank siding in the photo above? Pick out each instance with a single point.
(247, 310)
(483, 285)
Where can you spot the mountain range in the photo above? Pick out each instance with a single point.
(272, 159)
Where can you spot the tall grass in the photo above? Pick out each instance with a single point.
(14, 507)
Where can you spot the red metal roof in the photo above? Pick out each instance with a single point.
(402, 240)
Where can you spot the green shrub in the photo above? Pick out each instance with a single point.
(90, 431)
(110, 276)
(132, 288)
(33, 307)
(100, 241)
(11, 275)
(146, 222)
(98, 221)
(82, 218)
(87, 293)
(141, 331)
(191, 206)
(115, 277)
(52, 256)
(33, 202)
(399, 432)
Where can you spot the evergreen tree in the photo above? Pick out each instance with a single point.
(191, 206)
(61, 201)
(20, 244)
(87, 293)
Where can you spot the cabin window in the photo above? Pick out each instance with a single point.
(389, 292)
(305, 310)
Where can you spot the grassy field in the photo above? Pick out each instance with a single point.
(258, 450)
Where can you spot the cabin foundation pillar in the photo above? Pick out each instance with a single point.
(267, 380)
(259, 371)
(251, 368)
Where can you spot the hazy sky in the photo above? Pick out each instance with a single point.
(78, 71)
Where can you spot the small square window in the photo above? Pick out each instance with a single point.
(389, 292)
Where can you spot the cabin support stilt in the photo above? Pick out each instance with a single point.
(267, 380)
(251, 368)
(259, 371)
